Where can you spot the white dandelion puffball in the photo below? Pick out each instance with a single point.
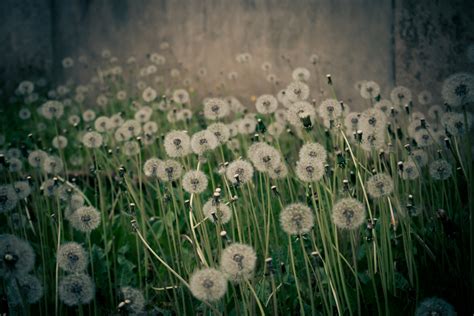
(440, 169)
(208, 285)
(177, 144)
(400, 96)
(240, 171)
(72, 257)
(300, 74)
(348, 213)
(217, 211)
(203, 141)
(221, 131)
(369, 89)
(215, 108)
(151, 167)
(296, 219)
(238, 261)
(92, 140)
(458, 89)
(169, 170)
(76, 289)
(195, 181)
(266, 104)
(309, 170)
(380, 184)
(85, 219)
(314, 151)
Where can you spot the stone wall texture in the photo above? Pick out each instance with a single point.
(414, 43)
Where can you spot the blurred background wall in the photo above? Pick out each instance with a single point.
(408, 42)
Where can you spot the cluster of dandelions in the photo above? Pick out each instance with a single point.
(291, 143)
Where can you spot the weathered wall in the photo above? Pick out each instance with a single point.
(432, 37)
(416, 43)
(25, 37)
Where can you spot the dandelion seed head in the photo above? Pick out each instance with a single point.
(373, 141)
(266, 104)
(177, 144)
(215, 108)
(309, 169)
(372, 120)
(181, 96)
(424, 137)
(92, 140)
(247, 126)
(275, 129)
(420, 157)
(85, 219)
(195, 181)
(435, 306)
(313, 151)
(456, 124)
(352, 121)
(133, 126)
(380, 184)
(400, 96)
(22, 189)
(30, 287)
(330, 109)
(299, 111)
(440, 169)
(130, 148)
(219, 211)
(263, 156)
(458, 89)
(52, 165)
(16, 256)
(88, 115)
(203, 141)
(149, 94)
(169, 170)
(278, 172)
(369, 89)
(301, 74)
(348, 214)
(72, 257)
(386, 106)
(296, 219)
(15, 165)
(134, 298)
(52, 109)
(208, 285)
(297, 91)
(76, 289)
(238, 262)
(242, 168)
(410, 170)
(151, 166)
(221, 131)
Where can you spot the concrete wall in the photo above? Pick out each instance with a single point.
(358, 39)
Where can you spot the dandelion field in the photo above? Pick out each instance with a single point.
(133, 195)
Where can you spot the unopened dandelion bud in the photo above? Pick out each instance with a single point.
(353, 177)
(261, 126)
(269, 265)
(224, 236)
(423, 123)
(306, 121)
(359, 135)
(447, 142)
(282, 267)
(441, 214)
(328, 77)
(214, 216)
(345, 185)
(399, 132)
(255, 138)
(407, 109)
(440, 154)
(407, 147)
(2, 160)
(275, 190)
(400, 166)
(134, 224)
(289, 131)
(382, 154)
(122, 171)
